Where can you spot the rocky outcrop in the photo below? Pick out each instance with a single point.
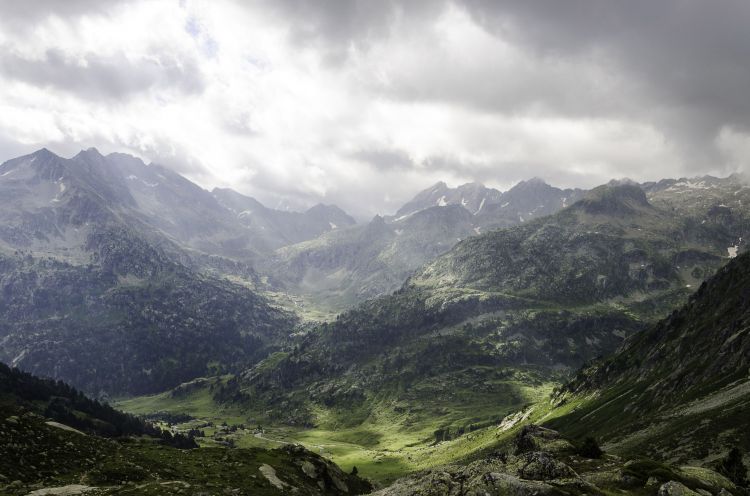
(541, 462)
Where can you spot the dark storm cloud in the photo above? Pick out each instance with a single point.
(335, 26)
(102, 77)
(689, 52)
(689, 55)
(681, 65)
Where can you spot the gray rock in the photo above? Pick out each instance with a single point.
(542, 466)
(673, 488)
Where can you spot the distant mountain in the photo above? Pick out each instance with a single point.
(45, 193)
(347, 266)
(680, 388)
(472, 196)
(342, 268)
(103, 282)
(525, 201)
(281, 228)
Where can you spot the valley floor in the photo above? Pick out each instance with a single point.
(387, 444)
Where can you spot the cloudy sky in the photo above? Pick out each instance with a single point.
(362, 103)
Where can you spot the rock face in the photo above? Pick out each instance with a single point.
(673, 488)
(542, 466)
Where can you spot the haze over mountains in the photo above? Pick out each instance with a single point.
(96, 235)
(460, 310)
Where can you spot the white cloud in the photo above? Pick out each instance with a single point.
(357, 105)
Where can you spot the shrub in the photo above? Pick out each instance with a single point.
(590, 448)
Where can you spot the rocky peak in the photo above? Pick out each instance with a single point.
(616, 200)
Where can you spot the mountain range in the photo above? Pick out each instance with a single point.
(105, 253)
(472, 327)
(347, 266)
(529, 303)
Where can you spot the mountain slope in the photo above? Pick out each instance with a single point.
(45, 193)
(681, 389)
(499, 313)
(110, 328)
(97, 293)
(347, 266)
(278, 228)
(541, 461)
(57, 441)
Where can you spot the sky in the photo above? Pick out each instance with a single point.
(363, 103)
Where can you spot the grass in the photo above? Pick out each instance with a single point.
(392, 438)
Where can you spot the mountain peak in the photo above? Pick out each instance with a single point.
(471, 185)
(623, 181)
(43, 153)
(472, 196)
(89, 153)
(534, 182)
(614, 199)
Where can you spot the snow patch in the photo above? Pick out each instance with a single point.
(441, 201)
(481, 205)
(688, 184)
(333, 226)
(478, 230)
(18, 358)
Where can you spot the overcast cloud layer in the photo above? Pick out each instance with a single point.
(363, 103)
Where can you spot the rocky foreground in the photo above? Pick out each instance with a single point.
(540, 461)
